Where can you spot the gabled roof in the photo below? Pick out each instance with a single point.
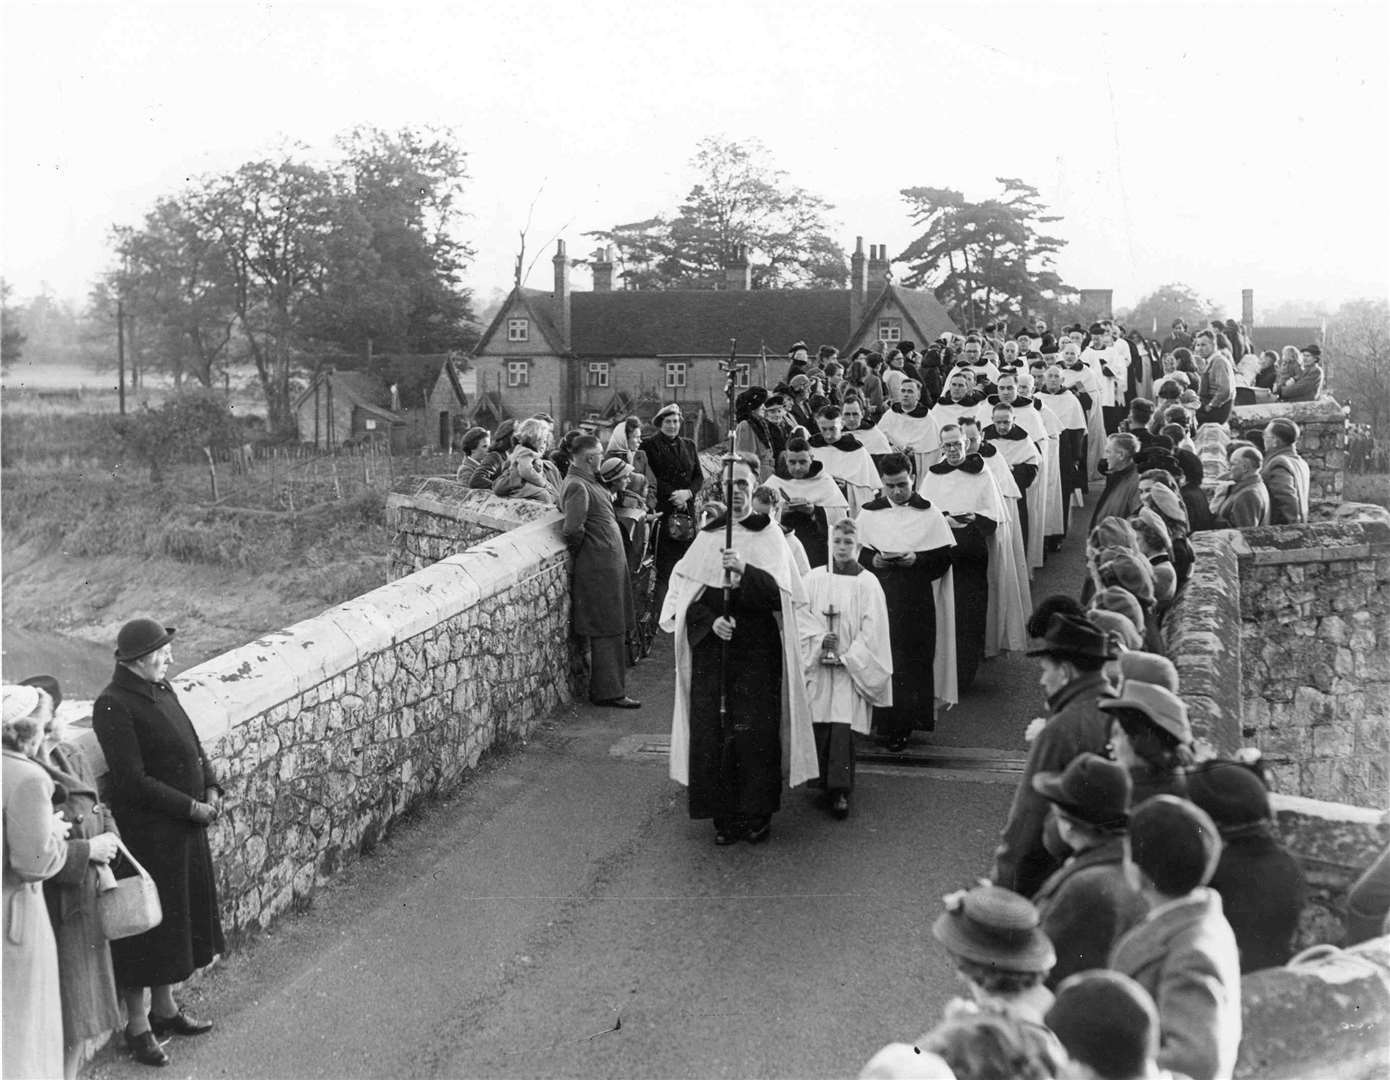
(700, 322)
(1276, 337)
(925, 314)
(538, 306)
(357, 387)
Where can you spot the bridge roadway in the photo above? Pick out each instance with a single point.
(561, 916)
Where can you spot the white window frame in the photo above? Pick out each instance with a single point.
(518, 373)
(599, 373)
(743, 376)
(518, 329)
(677, 374)
(890, 329)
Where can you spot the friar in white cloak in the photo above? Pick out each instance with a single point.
(960, 399)
(907, 544)
(911, 428)
(811, 500)
(1025, 462)
(1010, 595)
(1071, 441)
(1051, 479)
(853, 414)
(849, 670)
(846, 459)
(741, 723)
(1109, 360)
(1085, 384)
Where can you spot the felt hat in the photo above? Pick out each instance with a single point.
(1106, 1021)
(614, 469)
(1312, 350)
(1157, 457)
(1073, 635)
(48, 684)
(1114, 598)
(996, 927)
(1163, 708)
(1169, 505)
(1091, 789)
(753, 397)
(1174, 842)
(1231, 792)
(795, 345)
(1150, 517)
(1130, 572)
(1118, 627)
(1149, 667)
(140, 637)
(666, 410)
(17, 702)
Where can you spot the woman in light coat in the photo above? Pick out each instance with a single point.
(35, 849)
(85, 976)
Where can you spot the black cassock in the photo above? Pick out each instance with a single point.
(808, 524)
(970, 563)
(912, 630)
(736, 765)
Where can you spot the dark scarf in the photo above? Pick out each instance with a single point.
(1016, 433)
(922, 409)
(847, 442)
(973, 463)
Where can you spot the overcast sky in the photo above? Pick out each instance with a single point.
(1223, 145)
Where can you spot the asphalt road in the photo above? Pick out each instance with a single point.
(561, 916)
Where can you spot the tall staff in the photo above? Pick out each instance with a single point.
(731, 377)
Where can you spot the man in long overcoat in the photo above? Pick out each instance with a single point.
(165, 794)
(601, 606)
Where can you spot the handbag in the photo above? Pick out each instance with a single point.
(127, 906)
(680, 525)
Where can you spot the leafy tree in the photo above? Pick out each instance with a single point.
(1358, 361)
(184, 425)
(1169, 302)
(407, 185)
(984, 259)
(739, 199)
(11, 337)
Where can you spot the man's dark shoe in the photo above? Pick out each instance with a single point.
(620, 703)
(897, 744)
(179, 1024)
(839, 806)
(146, 1048)
(724, 839)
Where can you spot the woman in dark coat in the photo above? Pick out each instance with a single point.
(165, 795)
(86, 982)
(676, 478)
(1261, 884)
(490, 467)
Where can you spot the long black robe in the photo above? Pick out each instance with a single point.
(970, 563)
(912, 630)
(736, 766)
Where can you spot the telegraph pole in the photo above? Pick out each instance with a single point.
(120, 351)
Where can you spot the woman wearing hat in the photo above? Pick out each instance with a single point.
(1261, 885)
(35, 849)
(1002, 956)
(752, 435)
(85, 976)
(165, 795)
(1151, 737)
(490, 467)
(674, 467)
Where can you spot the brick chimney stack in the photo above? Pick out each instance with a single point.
(560, 298)
(603, 269)
(738, 276)
(858, 285)
(877, 269)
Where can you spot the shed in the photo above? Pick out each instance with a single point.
(339, 407)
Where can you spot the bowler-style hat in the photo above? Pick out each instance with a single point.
(666, 410)
(995, 927)
(1232, 793)
(1090, 789)
(1070, 636)
(1164, 709)
(140, 637)
(48, 684)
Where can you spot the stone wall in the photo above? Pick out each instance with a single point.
(1322, 443)
(328, 731)
(442, 518)
(1315, 656)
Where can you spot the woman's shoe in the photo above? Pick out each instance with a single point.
(179, 1024)
(146, 1049)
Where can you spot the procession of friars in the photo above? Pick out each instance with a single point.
(849, 577)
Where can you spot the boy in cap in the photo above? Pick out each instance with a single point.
(1184, 952)
(1089, 903)
(1072, 655)
(1109, 1028)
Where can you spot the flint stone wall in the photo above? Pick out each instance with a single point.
(442, 517)
(1322, 443)
(1315, 665)
(328, 731)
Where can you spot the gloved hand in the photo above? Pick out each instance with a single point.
(202, 813)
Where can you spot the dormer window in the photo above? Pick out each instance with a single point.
(518, 329)
(890, 329)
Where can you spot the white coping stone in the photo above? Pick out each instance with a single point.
(1328, 811)
(319, 647)
(235, 686)
(366, 627)
(408, 603)
(458, 590)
